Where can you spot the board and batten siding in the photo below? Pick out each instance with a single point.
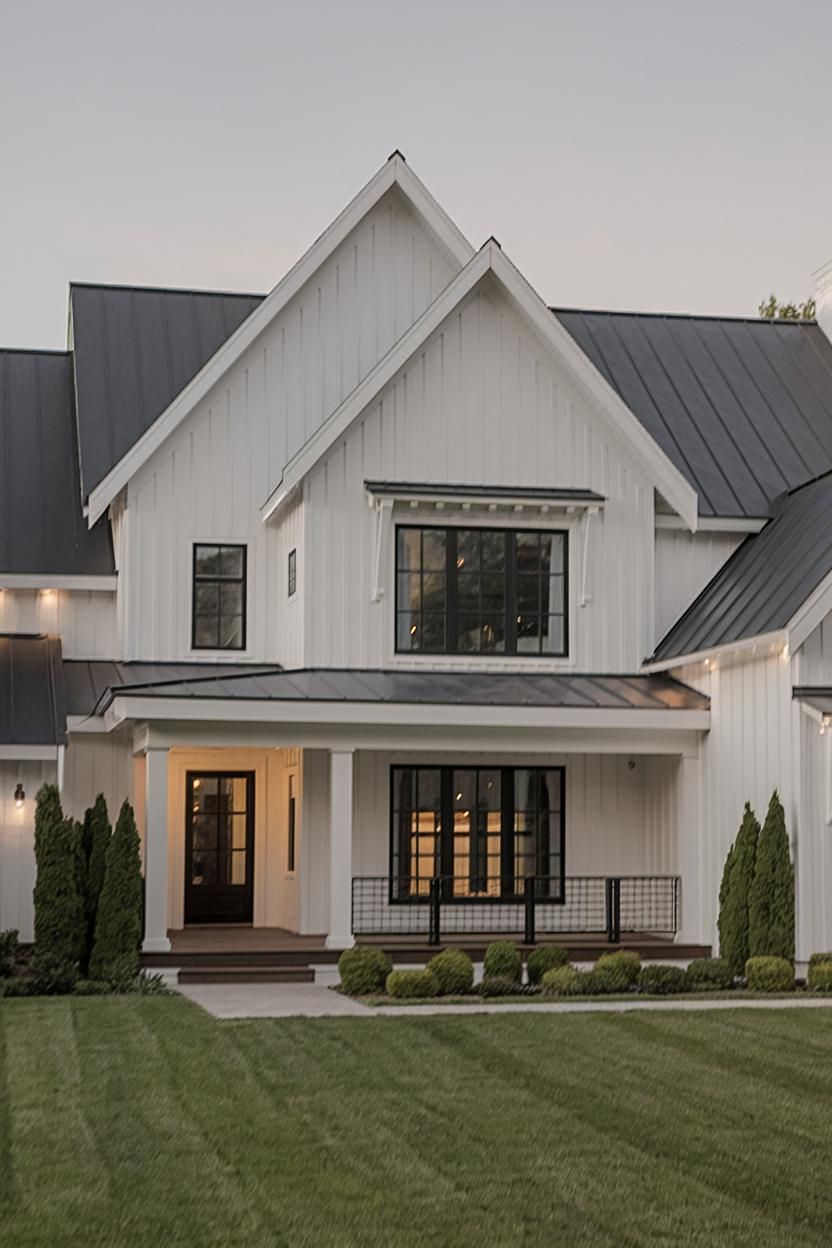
(97, 763)
(483, 402)
(17, 843)
(685, 563)
(85, 621)
(211, 477)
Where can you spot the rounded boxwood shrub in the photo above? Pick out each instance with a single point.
(502, 986)
(617, 972)
(820, 974)
(363, 969)
(709, 975)
(412, 984)
(52, 975)
(453, 971)
(544, 959)
(560, 981)
(769, 974)
(502, 959)
(661, 980)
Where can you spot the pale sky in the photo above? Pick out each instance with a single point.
(663, 155)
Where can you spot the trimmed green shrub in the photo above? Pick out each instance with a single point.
(544, 959)
(819, 957)
(363, 970)
(502, 959)
(504, 986)
(412, 984)
(8, 952)
(734, 904)
(147, 985)
(21, 986)
(118, 928)
(52, 975)
(617, 972)
(453, 971)
(59, 912)
(771, 898)
(820, 975)
(708, 975)
(660, 981)
(95, 838)
(93, 988)
(767, 974)
(560, 981)
(589, 985)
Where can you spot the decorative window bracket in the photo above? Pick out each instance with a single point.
(586, 584)
(383, 509)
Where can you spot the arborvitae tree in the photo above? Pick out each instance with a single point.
(734, 915)
(115, 955)
(59, 911)
(723, 898)
(771, 898)
(95, 838)
(48, 812)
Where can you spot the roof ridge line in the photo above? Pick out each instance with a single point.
(168, 290)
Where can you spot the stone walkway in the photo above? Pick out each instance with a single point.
(314, 1001)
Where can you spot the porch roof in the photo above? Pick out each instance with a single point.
(93, 686)
(32, 701)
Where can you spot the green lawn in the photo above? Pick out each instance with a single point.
(142, 1121)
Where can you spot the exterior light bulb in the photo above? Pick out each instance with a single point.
(19, 796)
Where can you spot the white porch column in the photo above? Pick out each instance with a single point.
(156, 852)
(695, 924)
(340, 849)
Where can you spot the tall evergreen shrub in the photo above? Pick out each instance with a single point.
(724, 887)
(59, 912)
(734, 943)
(771, 897)
(115, 955)
(95, 839)
(48, 812)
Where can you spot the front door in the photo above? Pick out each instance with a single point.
(219, 846)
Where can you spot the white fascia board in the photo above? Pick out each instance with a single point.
(85, 723)
(394, 171)
(42, 580)
(713, 524)
(771, 641)
(29, 753)
(490, 258)
(374, 714)
(815, 609)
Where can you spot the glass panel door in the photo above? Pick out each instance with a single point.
(219, 847)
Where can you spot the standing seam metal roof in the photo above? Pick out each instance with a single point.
(32, 699)
(742, 407)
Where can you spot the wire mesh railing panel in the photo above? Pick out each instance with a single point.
(649, 903)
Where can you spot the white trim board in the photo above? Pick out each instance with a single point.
(41, 580)
(29, 753)
(394, 171)
(491, 259)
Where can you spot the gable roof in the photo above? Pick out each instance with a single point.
(395, 172)
(135, 349)
(765, 584)
(42, 528)
(742, 407)
(32, 701)
(606, 401)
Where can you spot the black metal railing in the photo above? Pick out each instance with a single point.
(542, 905)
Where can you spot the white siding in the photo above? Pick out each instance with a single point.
(482, 403)
(685, 563)
(212, 476)
(85, 621)
(816, 655)
(17, 844)
(96, 764)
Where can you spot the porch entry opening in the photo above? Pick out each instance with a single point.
(219, 846)
(482, 831)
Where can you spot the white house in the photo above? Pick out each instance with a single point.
(397, 596)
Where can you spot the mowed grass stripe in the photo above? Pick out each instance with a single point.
(8, 1190)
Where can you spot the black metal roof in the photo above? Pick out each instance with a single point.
(135, 349)
(742, 407)
(87, 680)
(766, 580)
(42, 528)
(637, 692)
(32, 700)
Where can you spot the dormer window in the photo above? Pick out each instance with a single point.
(481, 591)
(219, 598)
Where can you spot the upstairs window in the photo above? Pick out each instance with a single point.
(219, 598)
(481, 591)
(292, 573)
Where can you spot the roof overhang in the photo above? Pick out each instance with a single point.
(491, 497)
(604, 399)
(817, 699)
(765, 645)
(394, 172)
(45, 580)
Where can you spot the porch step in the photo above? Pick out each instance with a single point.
(246, 975)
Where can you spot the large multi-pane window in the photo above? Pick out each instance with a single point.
(219, 598)
(481, 591)
(483, 830)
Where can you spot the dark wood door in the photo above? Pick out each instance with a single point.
(219, 846)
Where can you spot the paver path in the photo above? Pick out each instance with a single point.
(314, 1001)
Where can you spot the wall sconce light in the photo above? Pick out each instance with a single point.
(19, 796)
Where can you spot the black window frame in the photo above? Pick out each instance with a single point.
(445, 833)
(292, 573)
(242, 580)
(451, 574)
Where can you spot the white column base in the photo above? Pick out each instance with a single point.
(336, 940)
(155, 944)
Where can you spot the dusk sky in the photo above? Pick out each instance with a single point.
(659, 155)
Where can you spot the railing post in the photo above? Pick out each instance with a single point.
(613, 890)
(528, 900)
(435, 908)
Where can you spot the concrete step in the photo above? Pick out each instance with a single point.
(246, 975)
